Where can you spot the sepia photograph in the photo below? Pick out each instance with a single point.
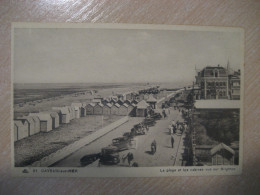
(119, 100)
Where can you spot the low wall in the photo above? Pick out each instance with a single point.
(62, 153)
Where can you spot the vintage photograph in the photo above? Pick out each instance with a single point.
(91, 99)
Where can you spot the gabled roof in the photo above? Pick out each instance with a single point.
(125, 105)
(142, 105)
(151, 99)
(91, 104)
(220, 147)
(117, 105)
(42, 116)
(64, 110)
(18, 123)
(27, 118)
(99, 104)
(108, 105)
(36, 119)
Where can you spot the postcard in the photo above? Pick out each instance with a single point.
(126, 100)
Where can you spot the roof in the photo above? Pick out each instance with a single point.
(108, 105)
(36, 118)
(142, 105)
(42, 116)
(220, 147)
(209, 71)
(217, 104)
(125, 105)
(117, 105)
(91, 104)
(28, 118)
(18, 123)
(151, 99)
(99, 104)
(64, 110)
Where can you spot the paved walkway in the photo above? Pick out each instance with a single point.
(164, 156)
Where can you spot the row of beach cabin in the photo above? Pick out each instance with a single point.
(46, 121)
(26, 126)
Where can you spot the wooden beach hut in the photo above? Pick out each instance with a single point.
(98, 109)
(30, 122)
(115, 109)
(71, 111)
(37, 127)
(107, 109)
(123, 110)
(63, 113)
(142, 109)
(90, 109)
(79, 108)
(45, 121)
(20, 130)
(55, 119)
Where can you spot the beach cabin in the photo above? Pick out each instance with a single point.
(142, 109)
(77, 111)
(123, 110)
(115, 109)
(152, 102)
(20, 130)
(55, 119)
(107, 109)
(37, 127)
(130, 108)
(63, 113)
(71, 111)
(83, 110)
(90, 109)
(45, 121)
(98, 109)
(30, 122)
(222, 155)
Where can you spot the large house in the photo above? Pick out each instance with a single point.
(217, 83)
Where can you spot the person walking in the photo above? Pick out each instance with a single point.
(172, 141)
(130, 157)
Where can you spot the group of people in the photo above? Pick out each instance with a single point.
(175, 126)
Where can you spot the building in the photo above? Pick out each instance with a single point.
(142, 109)
(20, 130)
(55, 120)
(64, 114)
(31, 124)
(107, 109)
(37, 127)
(90, 109)
(234, 86)
(123, 110)
(213, 83)
(45, 121)
(71, 111)
(80, 110)
(120, 102)
(98, 109)
(222, 155)
(152, 102)
(115, 109)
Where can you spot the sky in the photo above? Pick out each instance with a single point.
(81, 55)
